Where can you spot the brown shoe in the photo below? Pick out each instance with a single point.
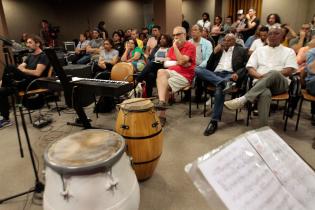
(162, 121)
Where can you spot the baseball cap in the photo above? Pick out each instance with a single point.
(240, 12)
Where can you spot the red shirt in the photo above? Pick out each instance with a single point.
(189, 50)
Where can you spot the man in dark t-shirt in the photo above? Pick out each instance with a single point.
(36, 65)
(252, 22)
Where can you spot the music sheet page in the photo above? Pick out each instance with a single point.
(260, 171)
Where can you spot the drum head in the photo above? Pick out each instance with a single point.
(136, 104)
(85, 151)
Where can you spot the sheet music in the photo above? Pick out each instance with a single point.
(243, 179)
(293, 173)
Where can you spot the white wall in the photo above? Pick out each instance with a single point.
(291, 11)
(193, 10)
(25, 16)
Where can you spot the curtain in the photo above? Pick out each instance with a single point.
(235, 5)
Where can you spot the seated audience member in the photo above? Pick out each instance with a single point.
(205, 34)
(23, 39)
(181, 62)
(92, 49)
(225, 68)
(108, 58)
(252, 38)
(87, 34)
(252, 22)
(310, 80)
(301, 57)
(273, 20)
(288, 34)
(205, 21)
(227, 25)
(80, 50)
(270, 66)
(118, 43)
(152, 42)
(135, 35)
(262, 41)
(144, 38)
(122, 35)
(303, 38)
(155, 62)
(16, 79)
(145, 31)
(203, 52)
(216, 29)
(133, 54)
(127, 34)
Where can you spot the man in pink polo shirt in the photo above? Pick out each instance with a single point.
(180, 64)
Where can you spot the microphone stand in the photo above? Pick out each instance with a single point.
(39, 187)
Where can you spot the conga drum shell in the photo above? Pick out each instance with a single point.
(138, 123)
(90, 170)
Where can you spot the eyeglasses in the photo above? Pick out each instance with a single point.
(306, 28)
(131, 42)
(178, 34)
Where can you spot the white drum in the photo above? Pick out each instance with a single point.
(89, 170)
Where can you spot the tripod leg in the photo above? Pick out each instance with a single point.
(28, 142)
(17, 126)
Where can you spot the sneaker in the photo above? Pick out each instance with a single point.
(162, 121)
(5, 123)
(234, 104)
(208, 102)
(161, 105)
(229, 86)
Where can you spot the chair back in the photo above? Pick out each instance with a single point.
(122, 72)
(69, 46)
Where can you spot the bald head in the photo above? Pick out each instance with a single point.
(275, 36)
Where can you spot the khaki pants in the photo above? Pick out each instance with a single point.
(272, 84)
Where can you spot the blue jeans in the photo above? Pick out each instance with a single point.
(310, 87)
(217, 79)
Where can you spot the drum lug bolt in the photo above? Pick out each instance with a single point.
(124, 126)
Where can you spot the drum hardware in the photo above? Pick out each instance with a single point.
(124, 126)
(65, 192)
(155, 124)
(113, 182)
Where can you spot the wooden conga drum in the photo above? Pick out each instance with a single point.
(139, 124)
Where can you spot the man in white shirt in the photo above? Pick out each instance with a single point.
(269, 66)
(262, 41)
(226, 63)
(205, 21)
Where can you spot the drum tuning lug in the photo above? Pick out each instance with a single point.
(124, 126)
(154, 125)
(112, 184)
(65, 194)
